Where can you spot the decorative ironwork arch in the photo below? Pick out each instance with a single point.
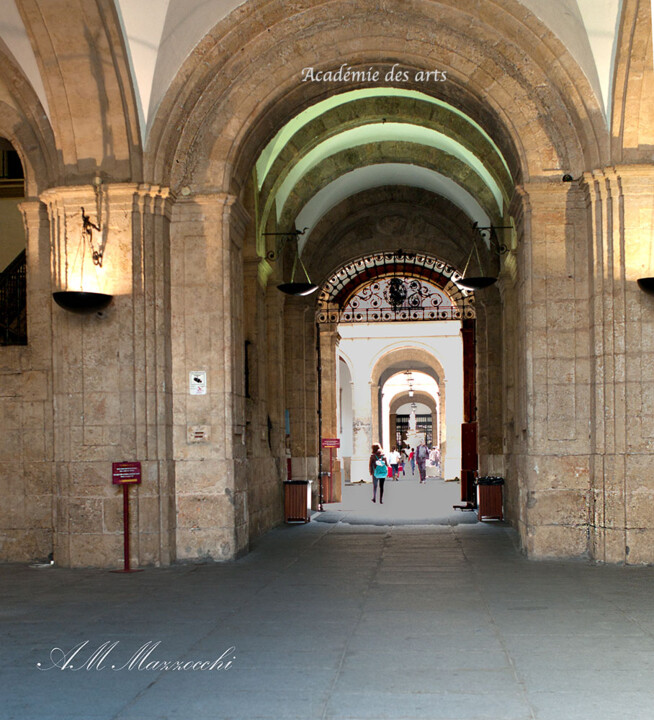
(394, 287)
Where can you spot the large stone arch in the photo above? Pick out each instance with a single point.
(632, 120)
(387, 218)
(24, 123)
(437, 412)
(403, 398)
(225, 118)
(420, 359)
(92, 104)
(515, 79)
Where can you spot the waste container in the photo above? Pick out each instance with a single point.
(489, 497)
(297, 500)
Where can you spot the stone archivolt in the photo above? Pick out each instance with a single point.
(565, 341)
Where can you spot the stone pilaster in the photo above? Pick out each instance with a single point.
(362, 423)
(621, 201)
(329, 384)
(554, 405)
(26, 437)
(109, 374)
(209, 432)
(301, 382)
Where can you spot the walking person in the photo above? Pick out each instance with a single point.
(378, 468)
(394, 460)
(412, 460)
(435, 457)
(422, 455)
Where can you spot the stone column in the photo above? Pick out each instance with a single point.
(362, 408)
(301, 381)
(622, 520)
(209, 432)
(26, 435)
(554, 346)
(111, 375)
(329, 339)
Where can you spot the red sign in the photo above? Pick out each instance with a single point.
(331, 442)
(126, 472)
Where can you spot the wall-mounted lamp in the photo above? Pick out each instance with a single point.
(489, 236)
(82, 303)
(292, 287)
(79, 301)
(646, 284)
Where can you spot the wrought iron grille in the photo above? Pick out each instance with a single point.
(387, 287)
(369, 315)
(13, 315)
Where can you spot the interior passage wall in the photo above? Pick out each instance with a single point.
(26, 413)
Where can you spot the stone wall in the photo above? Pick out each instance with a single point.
(553, 397)
(110, 378)
(26, 412)
(622, 429)
(207, 336)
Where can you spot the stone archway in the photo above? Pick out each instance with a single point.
(446, 368)
(437, 409)
(543, 122)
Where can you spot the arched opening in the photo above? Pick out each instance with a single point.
(395, 323)
(13, 263)
(256, 155)
(371, 173)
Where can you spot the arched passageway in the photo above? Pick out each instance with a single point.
(458, 140)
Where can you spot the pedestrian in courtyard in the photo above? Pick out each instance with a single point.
(378, 468)
(422, 455)
(435, 459)
(412, 460)
(394, 460)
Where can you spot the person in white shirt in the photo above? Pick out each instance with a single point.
(394, 460)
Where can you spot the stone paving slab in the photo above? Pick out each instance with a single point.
(339, 621)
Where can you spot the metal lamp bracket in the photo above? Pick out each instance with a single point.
(489, 236)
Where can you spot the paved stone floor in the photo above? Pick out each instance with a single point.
(336, 619)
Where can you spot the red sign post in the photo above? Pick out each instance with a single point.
(126, 474)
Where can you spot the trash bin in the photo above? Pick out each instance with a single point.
(297, 501)
(489, 497)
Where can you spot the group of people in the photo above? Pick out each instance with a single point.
(381, 468)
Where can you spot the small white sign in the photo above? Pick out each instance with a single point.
(197, 382)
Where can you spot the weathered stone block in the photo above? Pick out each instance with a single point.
(206, 544)
(640, 547)
(553, 472)
(558, 507)
(85, 515)
(89, 550)
(203, 476)
(556, 541)
(200, 512)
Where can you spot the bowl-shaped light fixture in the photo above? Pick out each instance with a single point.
(476, 283)
(82, 303)
(646, 285)
(297, 288)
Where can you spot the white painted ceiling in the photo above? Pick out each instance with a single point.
(162, 33)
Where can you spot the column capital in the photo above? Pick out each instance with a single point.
(639, 179)
(72, 195)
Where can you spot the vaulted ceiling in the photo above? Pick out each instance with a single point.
(161, 34)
